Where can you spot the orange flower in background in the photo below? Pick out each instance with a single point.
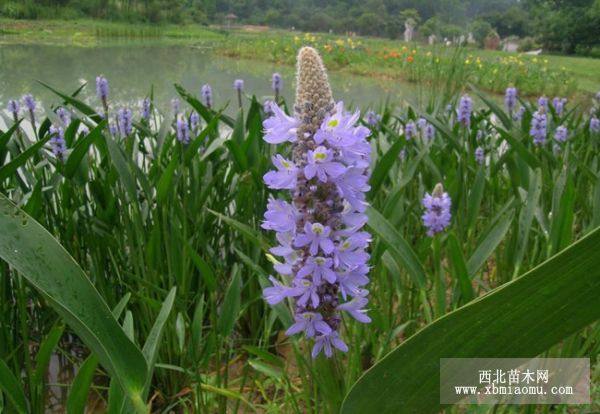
(410, 59)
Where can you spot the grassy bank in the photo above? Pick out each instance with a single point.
(435, 65)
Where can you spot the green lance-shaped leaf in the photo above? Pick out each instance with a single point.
(518, 319)
(38, 257)
(12, 389)
(399, 249)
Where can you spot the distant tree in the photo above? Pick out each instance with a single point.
(480, 29)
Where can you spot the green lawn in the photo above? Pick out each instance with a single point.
(491, 70)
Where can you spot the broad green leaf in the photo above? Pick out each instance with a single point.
(10, 168)
(382, 168)
(38, 257)
(399, 249)
(80, 388)
(518, 319)
(526, 217)
(475, 197)
(459, 268)
(489, 244)
(81, 149)
(12, 389)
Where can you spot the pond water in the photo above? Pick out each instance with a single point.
(133, 68)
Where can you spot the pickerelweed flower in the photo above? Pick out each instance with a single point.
(559, 105)
(372, 118)
(102, 91)
(538, 127)
(321, 241)
(238, 86)
(146, 109)
(194, 122)
(14, 108)
(64, 115)
(112, 127)
(594, 125)
(510, 99)
(437, 210)
(277, 85)
(30, 104)
(561, 134)
(183, 130)
(543, 102)
(57, 142)
(125, 121)
(84, 130)
(427, 130)
(175, 106)
(479, 155)
(207, 96)
(410, 130)
(518, 116)
(465, 107)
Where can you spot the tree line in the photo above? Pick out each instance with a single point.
(566, 26)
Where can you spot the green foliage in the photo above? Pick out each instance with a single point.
(143, 214)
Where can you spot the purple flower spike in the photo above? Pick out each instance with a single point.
(57, 142)
(465, 107)
(543, 102)
(238, 85)
(559, 105)
(510, 99)
(146, 109)
(538, 127)
(64, 115)
(319, 232)
(207, 96)
(13, 107)
(373, 118)
(125, 121)
(29, 102)
(102, 91)
(594, 125)
(276, 84)
(183, 131)
(437, 211)
(479, 155)
(561, 134)
(410, 130)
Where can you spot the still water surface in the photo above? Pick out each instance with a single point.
(133, 68)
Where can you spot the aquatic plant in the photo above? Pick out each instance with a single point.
(538, 126)
(436, 217)
(319, 231)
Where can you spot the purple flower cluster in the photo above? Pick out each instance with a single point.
(437, 210)
(561, 134)
(146, 109)
(538, 127)
(276, 84)
(510, 99)
(194, 122)
(64, 115)
(559, 105)
(465, 107)
(14, 108)
(543, 102)
(372, 118)
(207, 96)
(594, 125)
(319, 231)
(102, 91)
(125, 121)
(57, 142)
(427, 130)
(30, 104)
(518, 116)
(410, 130)
(183, 130)
(238, 85)
(479, 155)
